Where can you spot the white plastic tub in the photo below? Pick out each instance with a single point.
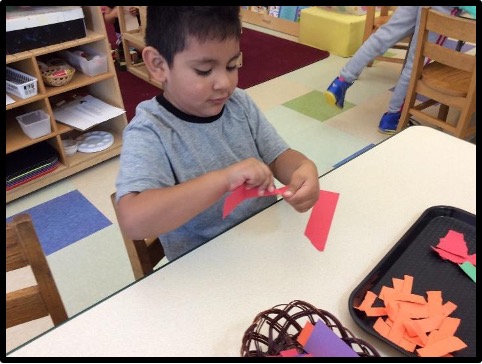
(94, 66)
(35, 124)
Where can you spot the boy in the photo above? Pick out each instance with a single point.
(202, 137)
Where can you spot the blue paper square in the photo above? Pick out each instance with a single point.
(65, 220)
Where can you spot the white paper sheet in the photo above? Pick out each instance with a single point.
(9, 100)
(86, 112)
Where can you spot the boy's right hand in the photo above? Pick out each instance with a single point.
(251, 172)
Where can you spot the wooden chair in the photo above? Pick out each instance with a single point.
(143, 254)
(373, 23)
(34, 302)
(447, 81)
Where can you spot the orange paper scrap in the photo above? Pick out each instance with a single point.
(305, 333)
(442, 347)
(413, 323)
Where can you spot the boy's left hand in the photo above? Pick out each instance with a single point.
(303, 189)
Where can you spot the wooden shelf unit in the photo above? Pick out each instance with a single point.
(104, 87)
(270, 22)
(134, 38)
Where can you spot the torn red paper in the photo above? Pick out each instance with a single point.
(319, 223)
(454, 248)
(241, 193)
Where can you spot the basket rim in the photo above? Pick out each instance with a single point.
(58, 68)
(280, 321)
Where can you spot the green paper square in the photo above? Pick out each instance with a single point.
(313, 104)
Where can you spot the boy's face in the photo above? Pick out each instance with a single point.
(203, 76)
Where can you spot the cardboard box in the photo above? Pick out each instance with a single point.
(30, 27)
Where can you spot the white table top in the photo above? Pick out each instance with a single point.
(201, 304)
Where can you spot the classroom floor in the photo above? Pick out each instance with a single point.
(97, 265)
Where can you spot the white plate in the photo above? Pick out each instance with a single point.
(95, 141)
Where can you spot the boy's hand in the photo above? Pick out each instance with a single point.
(251, 172)
(304, 188)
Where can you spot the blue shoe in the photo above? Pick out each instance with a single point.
(389, 122)
(335, 94)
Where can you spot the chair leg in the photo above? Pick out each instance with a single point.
(459, 45)
(369, 23)
(402, 123)
(443, 111)
(463, 129)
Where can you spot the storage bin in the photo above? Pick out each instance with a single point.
(35, 124)
(20, 84)
(92, 67)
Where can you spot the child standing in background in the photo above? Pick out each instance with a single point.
(111, 16)
(403, 22)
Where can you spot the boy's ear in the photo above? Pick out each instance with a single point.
(155, 63)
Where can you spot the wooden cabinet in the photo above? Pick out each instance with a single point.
(103, 86)
(270, 22)
(134, 38)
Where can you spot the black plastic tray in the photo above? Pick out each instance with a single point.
(413, 255)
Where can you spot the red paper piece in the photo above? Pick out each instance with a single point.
(454, 248)
(241, 193)
(454, 242)
(449, 256)
(320, 219)
(321, 216)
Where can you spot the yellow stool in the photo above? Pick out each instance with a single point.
(337, 33)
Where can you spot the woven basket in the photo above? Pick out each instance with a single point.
(58, 75)
(277, 329)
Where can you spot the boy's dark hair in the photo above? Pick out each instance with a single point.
(168, 26)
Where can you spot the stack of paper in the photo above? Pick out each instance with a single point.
(86, 112)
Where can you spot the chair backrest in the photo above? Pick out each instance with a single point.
(374, 22)
(23, 249)
(448, 79)
(143, 254)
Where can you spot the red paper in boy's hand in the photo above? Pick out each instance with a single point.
(320, 219)
(241, 193)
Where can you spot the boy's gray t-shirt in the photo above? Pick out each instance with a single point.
(164, 147)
